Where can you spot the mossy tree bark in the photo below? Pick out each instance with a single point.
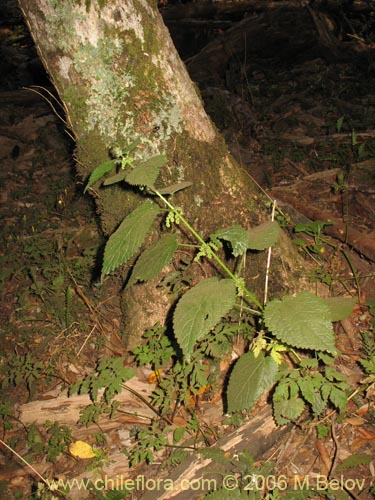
(120, 79)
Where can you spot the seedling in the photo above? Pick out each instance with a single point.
(313, 229)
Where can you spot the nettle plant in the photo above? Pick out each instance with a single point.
(292, 349)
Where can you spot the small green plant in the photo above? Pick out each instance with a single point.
(314, 385)
(313, 229)
(58, 439)
(28, 371)
(110, 375)
(150, 440)
(360, 149)
(158, 349)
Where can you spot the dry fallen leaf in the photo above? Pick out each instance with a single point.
(355, 420)
(154, 376)
(80, 449)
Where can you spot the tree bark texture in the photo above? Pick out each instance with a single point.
(120, 78)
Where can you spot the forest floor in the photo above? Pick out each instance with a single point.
(303, 129)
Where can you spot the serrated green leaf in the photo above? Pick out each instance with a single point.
(338, 398)
(302, 321)
(368, 365)
(237, 236)
(290, 409)
(327, 359)
(114, 179)
(98, 172)
(146, 173)
(354, 461)
(281, 391)
(153, 259)
(249, 380)
(318, 404)
(200, 309)
(277, 353)
(178, 434)
(129, 236)
(309, 363)
(293, 387)
(308, 389)
(325, 389)
(173, 188)
(277, 416)
(340, 307)
(263, 236)
(335, 376)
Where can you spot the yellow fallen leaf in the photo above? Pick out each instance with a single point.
(80, 449)
(154, 376)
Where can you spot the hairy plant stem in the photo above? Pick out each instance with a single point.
(237, 281)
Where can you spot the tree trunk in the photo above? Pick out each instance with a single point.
(120, 78)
